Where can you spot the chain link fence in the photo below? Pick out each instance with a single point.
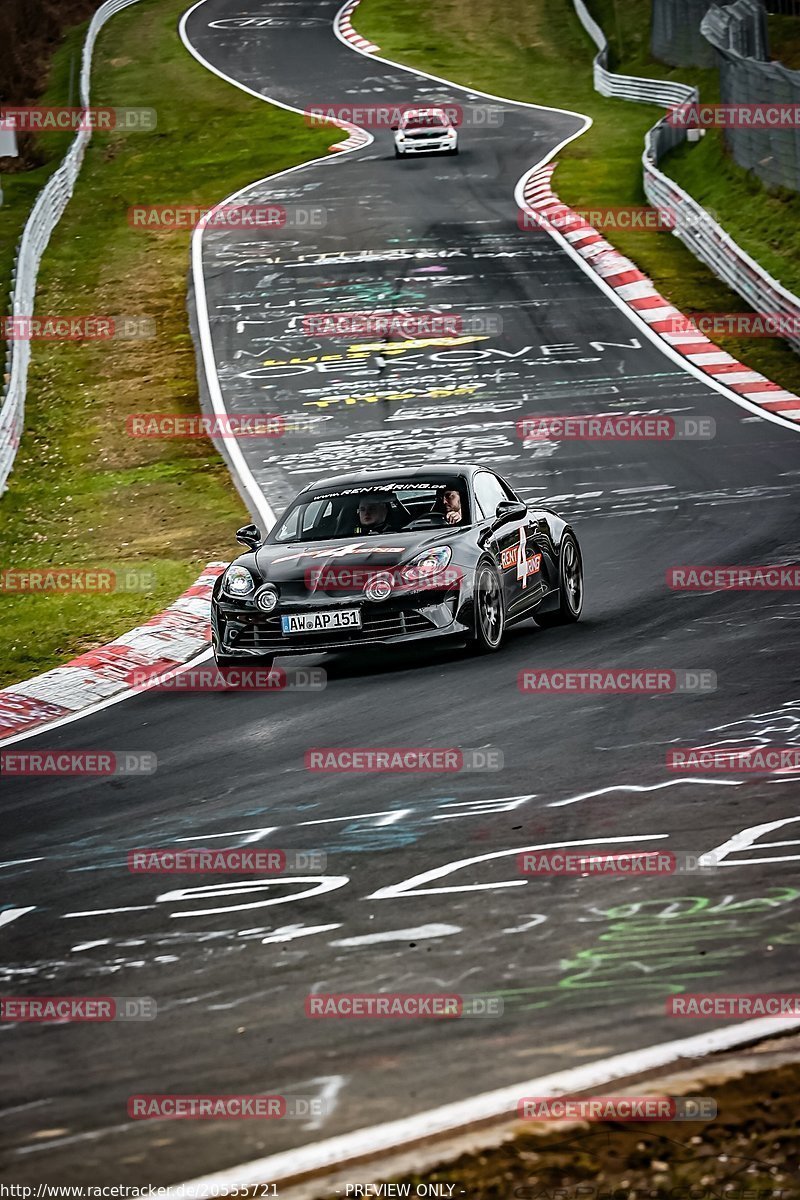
(45, 215)
(694, 225)
(771, 150)
(675, 36)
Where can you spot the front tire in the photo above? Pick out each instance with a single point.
(570, 592)
(490, 615)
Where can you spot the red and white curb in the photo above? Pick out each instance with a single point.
(349, 34)
(355, 141)
(167, 640)
(637, 291)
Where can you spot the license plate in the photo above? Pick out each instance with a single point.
(321, 622)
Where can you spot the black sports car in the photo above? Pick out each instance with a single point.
(386, 557)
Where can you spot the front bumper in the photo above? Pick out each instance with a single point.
(245, 632)
(425, 145)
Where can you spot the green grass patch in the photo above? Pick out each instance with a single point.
(84, 494)
(538, 51)
(784, 39)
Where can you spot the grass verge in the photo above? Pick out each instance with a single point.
(748, 1152)
(83, 494)
(539, 52)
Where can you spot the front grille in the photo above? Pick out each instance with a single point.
(264, 633)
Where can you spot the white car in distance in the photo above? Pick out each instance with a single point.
(425, 131)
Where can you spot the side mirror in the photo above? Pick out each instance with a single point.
(249, 535)
(509, 510)
(395, 127)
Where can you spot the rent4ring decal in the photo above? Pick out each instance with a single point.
(517, 556)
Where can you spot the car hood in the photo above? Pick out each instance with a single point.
(291, 561)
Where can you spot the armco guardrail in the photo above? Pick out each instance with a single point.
(628, 87)
(707, 240)
(45, 215)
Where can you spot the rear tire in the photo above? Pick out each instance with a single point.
(570, 592)
(490, 616)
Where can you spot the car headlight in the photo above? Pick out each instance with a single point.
(422, 569)
(238, 581)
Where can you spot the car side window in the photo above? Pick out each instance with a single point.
(489, 492)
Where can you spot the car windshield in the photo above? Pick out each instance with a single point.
(424, 121)
(375, 506)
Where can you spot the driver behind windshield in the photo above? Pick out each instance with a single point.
(451, 506)
(373, 515)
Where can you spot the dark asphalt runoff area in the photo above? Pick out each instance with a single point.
(584, 965)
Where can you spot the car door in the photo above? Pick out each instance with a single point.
(504, 543)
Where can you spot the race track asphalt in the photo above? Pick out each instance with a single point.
(584, 965)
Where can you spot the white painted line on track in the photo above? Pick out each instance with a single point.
(393, 1136)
